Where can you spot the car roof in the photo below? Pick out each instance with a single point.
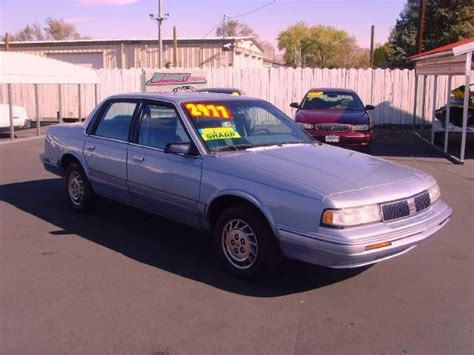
(333, 90)
(179, 97)
(217, 89)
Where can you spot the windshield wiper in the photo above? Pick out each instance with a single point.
(234, 147)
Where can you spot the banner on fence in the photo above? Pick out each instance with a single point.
(166, 81)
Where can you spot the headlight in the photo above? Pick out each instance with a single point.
(435, 193)
(306, 125)
(360, 127)
(349, 217)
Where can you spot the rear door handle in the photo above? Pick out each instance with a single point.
(138, 157)
(90, 147)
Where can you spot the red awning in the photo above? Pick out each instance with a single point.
(441, 49)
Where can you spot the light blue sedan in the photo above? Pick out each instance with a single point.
(242, 170)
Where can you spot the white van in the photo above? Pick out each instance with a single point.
(20, 117)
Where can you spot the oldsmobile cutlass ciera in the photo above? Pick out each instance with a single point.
(244, 171)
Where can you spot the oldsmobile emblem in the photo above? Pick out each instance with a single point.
(411, 205)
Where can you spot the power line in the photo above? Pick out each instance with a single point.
(240, 15)
(252, 11)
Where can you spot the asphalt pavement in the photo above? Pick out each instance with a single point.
(123, 281)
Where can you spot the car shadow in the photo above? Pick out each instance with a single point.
(158, 242)
(396, 141)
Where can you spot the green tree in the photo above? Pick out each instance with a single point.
(446, 21)
(291, 41)
(381, 56)
(319, 46)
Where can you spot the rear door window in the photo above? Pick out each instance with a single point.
(116, 121)
(160, 125)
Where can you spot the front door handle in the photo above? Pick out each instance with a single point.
(138, 157)
(90, 147)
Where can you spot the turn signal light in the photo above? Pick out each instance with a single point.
(378, 245)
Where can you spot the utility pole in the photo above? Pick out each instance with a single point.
(160, 40)
(223, 27)
(421, 26)
(175, 48)
(159, 19)
(372, 35)
(7, 42)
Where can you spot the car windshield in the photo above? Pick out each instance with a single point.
(242, 124)
(332, 100)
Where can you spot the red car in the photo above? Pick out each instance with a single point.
(336, 116)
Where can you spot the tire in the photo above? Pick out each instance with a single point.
(78, 189)
(246, 244)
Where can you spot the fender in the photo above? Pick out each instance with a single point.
(79, 156)
(248, 197)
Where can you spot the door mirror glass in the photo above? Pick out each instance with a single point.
(184, 148)
(295, 105)
(369, 107)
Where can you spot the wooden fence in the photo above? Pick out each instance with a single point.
(390, 91)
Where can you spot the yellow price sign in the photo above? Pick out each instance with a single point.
(208, 110)
(314, 94)
(210, 134)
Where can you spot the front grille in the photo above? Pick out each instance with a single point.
(405, 208)
(395, 210)
(333, 127)
(422, 201)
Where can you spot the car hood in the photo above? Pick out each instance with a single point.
(321, 169)
(332, 116)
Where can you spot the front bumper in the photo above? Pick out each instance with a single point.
(342, 249)
(346, 139)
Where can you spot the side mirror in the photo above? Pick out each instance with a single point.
(369, 107)
(182, 148)
(295, 105)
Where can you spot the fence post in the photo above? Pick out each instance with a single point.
(448, 114)
(38, 129)
(10, 111)
(465, 104)
(415, 102)
(435, 89)
(60, 103)
(79, 99)
(423, 104)
(96, 94)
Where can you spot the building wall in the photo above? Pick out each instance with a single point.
(144, 54)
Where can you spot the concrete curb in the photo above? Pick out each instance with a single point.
(19, 140)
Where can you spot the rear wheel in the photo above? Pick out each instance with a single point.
(78, 189)
(246, 243)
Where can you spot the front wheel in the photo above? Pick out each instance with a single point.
(246, 243)
(78, 189)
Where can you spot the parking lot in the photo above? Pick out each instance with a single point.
(124, 281)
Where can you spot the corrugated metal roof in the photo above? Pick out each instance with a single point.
(449, 49)
(130, 40)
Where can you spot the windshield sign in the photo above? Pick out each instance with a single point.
(321, 100)
(242, 124)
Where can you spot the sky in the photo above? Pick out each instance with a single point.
(106, 19)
